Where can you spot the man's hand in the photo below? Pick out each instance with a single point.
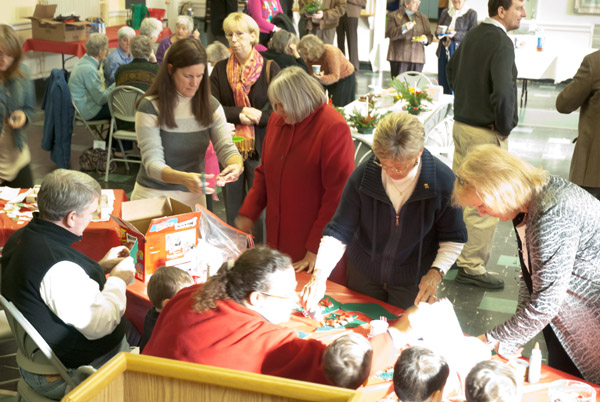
(114, 256)
(318, 15)
(428, 287)
(124, 270)
(312, 293)
(307, 263)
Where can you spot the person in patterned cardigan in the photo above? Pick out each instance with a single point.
(558, 227)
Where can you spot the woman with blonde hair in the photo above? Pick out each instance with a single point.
(17, 108)
(337, 73)
(558, 227)
(240, 84)
(395, 220)
(307, 157)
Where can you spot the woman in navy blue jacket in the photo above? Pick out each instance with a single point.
(396, 221)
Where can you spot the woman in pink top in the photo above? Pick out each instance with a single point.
(263, 11)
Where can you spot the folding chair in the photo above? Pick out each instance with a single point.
(33, 354)
(94, 127)
(414, 79)
(122, 103)
(362, 150)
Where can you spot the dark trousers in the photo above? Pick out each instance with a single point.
(24, 179)
(399, 296)
(347, 28)
(595, 191)
(399, 67)
(343, 91)
(103, 114)
(557, 356)
(442, 63)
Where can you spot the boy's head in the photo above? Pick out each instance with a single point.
(347, 361)
(164, 283)
(491, 381)
(420, 375)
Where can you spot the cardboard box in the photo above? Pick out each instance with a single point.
(166, 232)
(43, 26)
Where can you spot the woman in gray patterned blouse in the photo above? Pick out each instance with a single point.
(558, 235)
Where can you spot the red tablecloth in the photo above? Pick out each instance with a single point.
(78, 48)
(98, 237)
(138, 305)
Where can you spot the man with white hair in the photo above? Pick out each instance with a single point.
(121, 55)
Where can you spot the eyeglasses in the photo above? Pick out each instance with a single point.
(289, 297)
(393, 170)
(236, 34)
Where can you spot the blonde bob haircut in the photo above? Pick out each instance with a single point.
(503, 182)
(299, 93)
(398, 136)
(311, 47)
(241, 22)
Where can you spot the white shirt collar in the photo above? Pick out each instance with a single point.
(497, 23)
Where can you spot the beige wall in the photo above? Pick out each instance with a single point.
(15, 11)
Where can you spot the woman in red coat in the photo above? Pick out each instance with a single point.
(307, 157)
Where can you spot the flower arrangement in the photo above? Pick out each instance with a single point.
(339, 109)
(413, 96)
(365, 124)
(312, 6)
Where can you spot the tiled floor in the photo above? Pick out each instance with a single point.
(543, 137)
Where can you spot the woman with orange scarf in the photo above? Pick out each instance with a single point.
(240, 84)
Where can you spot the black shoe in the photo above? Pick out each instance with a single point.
(486, 280)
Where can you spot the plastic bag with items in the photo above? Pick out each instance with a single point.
(218, 243)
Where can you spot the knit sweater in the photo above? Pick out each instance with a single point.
(561, 238)
(334, 65)
(483, 75)
(181, 148)
(22, 274)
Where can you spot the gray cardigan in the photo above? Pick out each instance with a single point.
(563, 244)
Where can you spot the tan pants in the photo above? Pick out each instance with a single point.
(476, 253)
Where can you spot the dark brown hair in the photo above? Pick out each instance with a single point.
(165, 282)
(250, 273)
(183, 53)
(493, 6)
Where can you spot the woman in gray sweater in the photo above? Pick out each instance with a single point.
(558, 231)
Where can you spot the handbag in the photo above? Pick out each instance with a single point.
(94, 160)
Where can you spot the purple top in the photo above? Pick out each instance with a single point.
(262, 11)
(162, 48)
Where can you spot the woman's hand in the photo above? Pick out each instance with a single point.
(318, 15)
(244, 224)
(312, 293)
(230, 173)
(114, 256)
(428, 287)
(408, 26)
(17, 119)
(308, 263)
(194, 183)
(245, 120)
(253, 114)
(196, 34)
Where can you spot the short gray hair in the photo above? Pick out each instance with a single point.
(95, 43)
(281, 40)
(187, 21)
(299, 93)
(63, 191)
(399, 136)
(151, 27)
(125, 32)
(216, 52)
(141, 47)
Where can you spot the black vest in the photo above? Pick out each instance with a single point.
(28, 255)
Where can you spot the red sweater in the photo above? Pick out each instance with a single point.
(301, 178)
(235, 337)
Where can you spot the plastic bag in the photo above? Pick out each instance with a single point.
(218, 243)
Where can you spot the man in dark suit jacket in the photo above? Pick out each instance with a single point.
(219, 9)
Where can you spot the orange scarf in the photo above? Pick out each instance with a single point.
(241, 79)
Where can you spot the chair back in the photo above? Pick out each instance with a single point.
(34, 353)
(415, 79)
(362, 150)
(122, 102)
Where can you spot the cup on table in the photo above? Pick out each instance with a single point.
(316, 69)
(520, 367)
(443, 29)
(378, 327)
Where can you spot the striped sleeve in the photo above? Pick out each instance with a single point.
(149, 140)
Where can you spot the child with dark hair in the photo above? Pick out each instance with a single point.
(492, 381)
(420, 375)
(162, 286)
(347, 361)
